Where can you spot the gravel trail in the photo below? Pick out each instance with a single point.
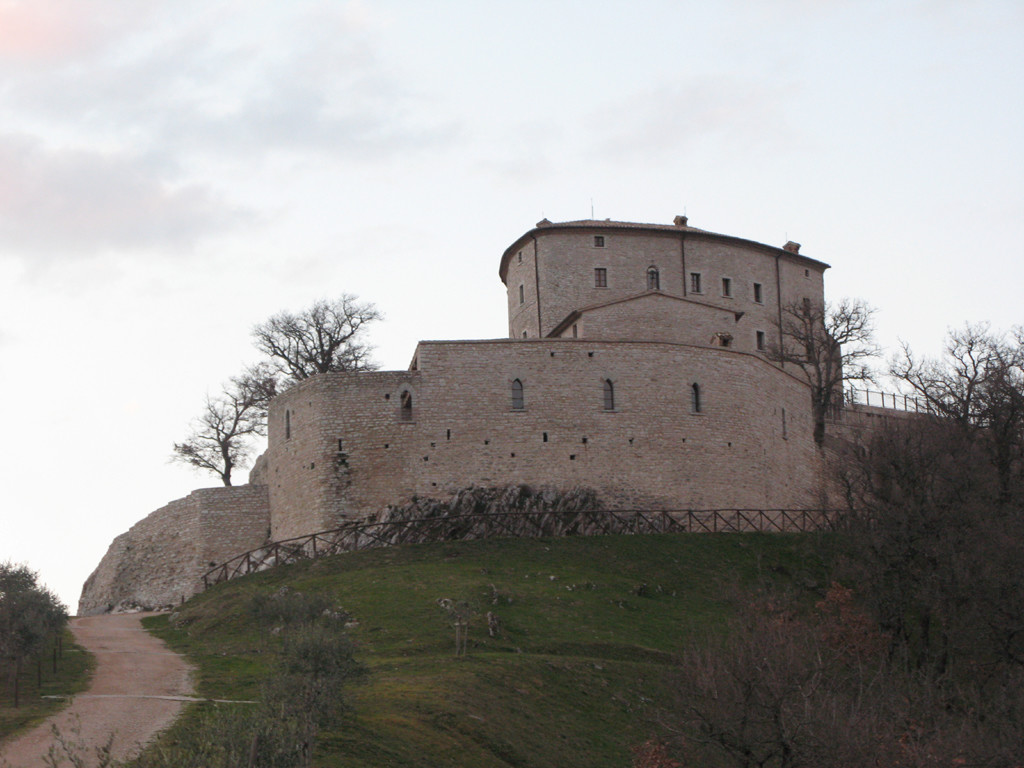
(137, 690)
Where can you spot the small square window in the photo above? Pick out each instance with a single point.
(727, 287)
(600, 277)
(599, 241)
(758, 294)
(695, 282)
(760, 340)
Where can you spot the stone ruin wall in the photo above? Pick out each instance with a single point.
(650, 452)
(160, 560)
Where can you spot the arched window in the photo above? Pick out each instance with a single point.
(653, 282)
(695, 404)
(517, 396)
(405, 411)
(609, 395)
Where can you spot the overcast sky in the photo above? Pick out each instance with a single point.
(172, 173)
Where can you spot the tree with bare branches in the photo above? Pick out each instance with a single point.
(831, 345)
(221, 437)
(326, 337)
(978, 385)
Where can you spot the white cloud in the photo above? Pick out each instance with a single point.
(69, 202)
(231, 80)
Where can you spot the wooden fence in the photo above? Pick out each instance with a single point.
(362, 535)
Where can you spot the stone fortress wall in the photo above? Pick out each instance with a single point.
(160, 560)
(353, 449)
(634, 367)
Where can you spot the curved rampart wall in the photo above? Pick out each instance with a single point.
(650, 450)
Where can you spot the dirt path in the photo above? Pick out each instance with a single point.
(138, 689)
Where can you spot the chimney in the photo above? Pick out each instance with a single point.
(791, 247)
(544, 222)
(679, 221)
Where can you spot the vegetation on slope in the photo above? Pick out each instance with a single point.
(73, 669)
(587, 631)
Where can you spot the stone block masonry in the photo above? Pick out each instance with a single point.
(160, 560)
(341, 445)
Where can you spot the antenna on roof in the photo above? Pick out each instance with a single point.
(591, 209)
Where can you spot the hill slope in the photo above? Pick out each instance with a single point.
(587, 629)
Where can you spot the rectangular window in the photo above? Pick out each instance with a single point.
(695, 282)
(600, 277)
(727, 287)
(758, 295)
(599, 241)
(522, 295)
(760, 340)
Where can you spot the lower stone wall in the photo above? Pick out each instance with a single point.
(160, 560)
(341, 446)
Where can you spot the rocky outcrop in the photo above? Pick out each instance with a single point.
(160, 560)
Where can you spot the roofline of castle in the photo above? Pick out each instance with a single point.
(606, 225)
(576, 314)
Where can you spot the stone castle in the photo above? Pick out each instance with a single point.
(636, 366)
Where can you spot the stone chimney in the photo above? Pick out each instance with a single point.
(791, 247)
(544, 222)
(679, 221)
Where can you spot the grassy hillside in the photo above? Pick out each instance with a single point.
(587, 632)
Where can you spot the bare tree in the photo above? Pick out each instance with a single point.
(221, 437)
(978, 384)
(831, 344)
(326, 337)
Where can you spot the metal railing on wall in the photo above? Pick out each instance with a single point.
(361, 535)
(894, 400)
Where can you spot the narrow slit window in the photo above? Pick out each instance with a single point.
(609, 395)
(695, 399)
(517, 395)
(785, 434)
(727, 287)
(406, 408)
(522, 294)
(287, 425)
(653, 281)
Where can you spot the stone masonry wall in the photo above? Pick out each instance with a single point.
(563, 269)
(659, 317)
(750, 446)
(160, 560)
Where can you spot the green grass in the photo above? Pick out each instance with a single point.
(74, 669)
(589, 628)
